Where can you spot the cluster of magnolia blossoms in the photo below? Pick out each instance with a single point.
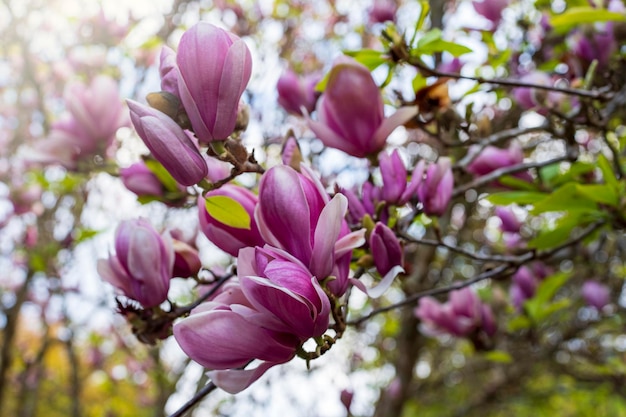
(292, 241)
(295, 253)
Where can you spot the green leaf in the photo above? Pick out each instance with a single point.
(552, 238)
(82, 234)
(514, 182)
(607, 171)
(539, 307)
(162, 174)
(579, 15)
(498, 356)
(565, 198)
(430, 36)
(228, 211)
(518, 323)
(419, 82)
(441, 45)
(369, 57)
(424, 10)
(600, 193)
(518, 197)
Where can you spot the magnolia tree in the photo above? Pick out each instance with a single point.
(408, 202)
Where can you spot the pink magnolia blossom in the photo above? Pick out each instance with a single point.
(382, 11)
(491, 9)
(508, 219)
(295, 93)
(95, 113)
(187, 261)
(435, 190)
(596, 294)
(141, 267)
(296, 214)
(396, 189)
(169, 144)
(350, 111)
(214, 67)
(385, 249)
(462, 315)
(227, 238)
(275, 306)
(492, 158)
(139, 179)
(168, 69)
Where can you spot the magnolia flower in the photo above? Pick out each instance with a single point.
(295, 93)
(168, 71)
(508, 220)
(187, 261)
(525, 282)
(435, 191)
(276, 305)
(227, 238)
(95, 113)
(296, 214)
(141, 268)
(214, 67)
(596, 294)
(169, 144)
(385, 249)
(491, 158)
(350, 111)
(396, 189)
(139, 179)
(491, 9)
(462, 315)
(382, 11)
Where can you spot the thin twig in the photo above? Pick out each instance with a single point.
(206, 390)
(494, 175)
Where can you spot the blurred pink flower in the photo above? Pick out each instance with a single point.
(95, 113)
(435, 190)
(596, 294)
(141, 267)
(462, 315)
(295, 93)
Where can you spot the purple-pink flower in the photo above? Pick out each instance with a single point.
(275, 306)
(296, 214)
(596, 294)
(296, 93)
(95, 113)
(491, 10)
(385, 249)
(435, 190)
(396, 188)
(350, 112)
(227, 238)
(214, 67)
(382, 11)
(491, 158)
(139, 179)
(508, 220)
(169, 144)
(462, 315)
(141, 267)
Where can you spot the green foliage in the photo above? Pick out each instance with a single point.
(228, 211)
(579, 15)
